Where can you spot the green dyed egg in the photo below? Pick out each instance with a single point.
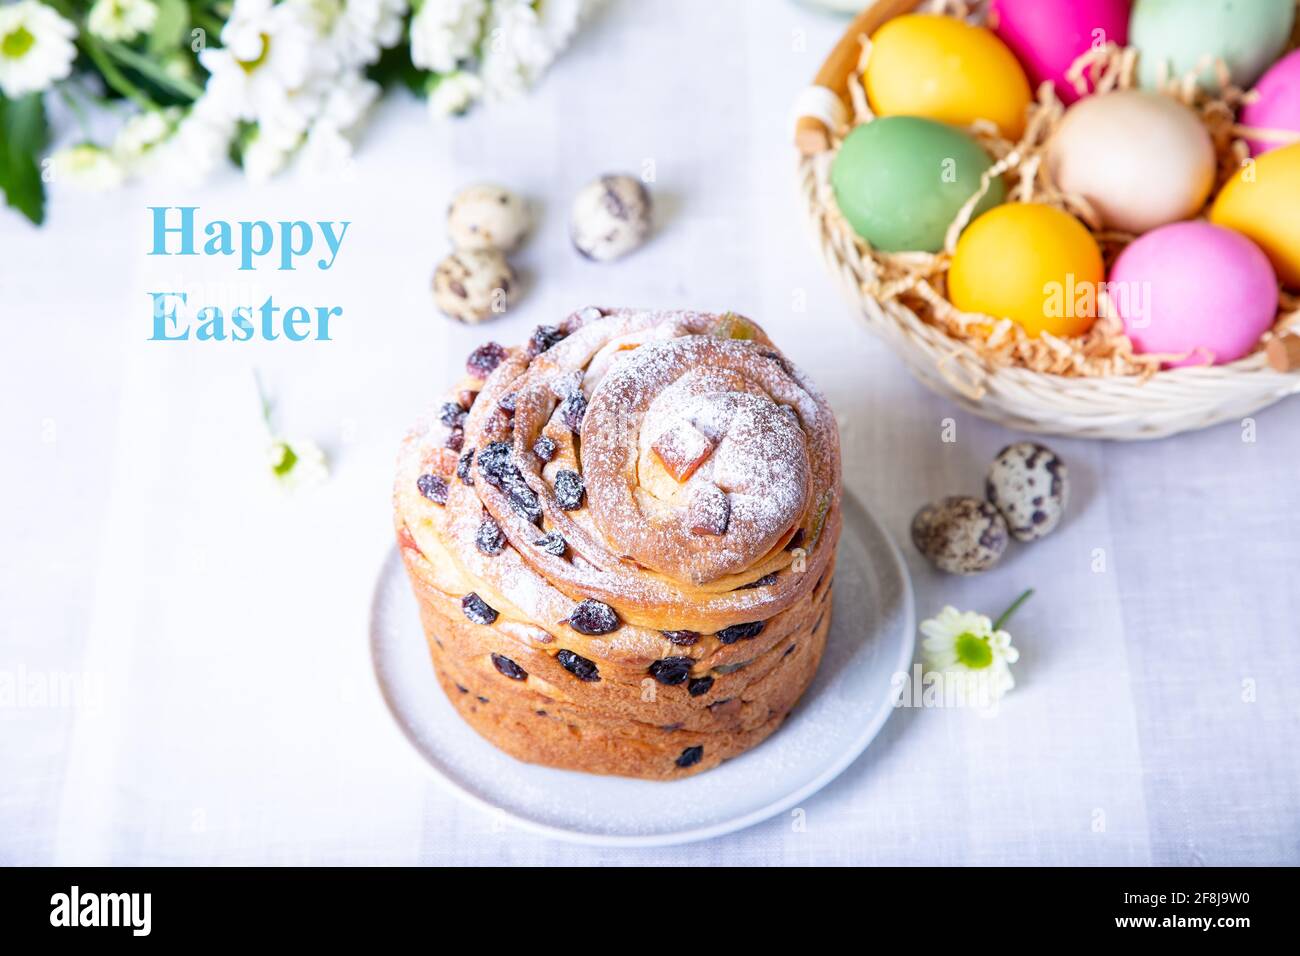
(901, 180)
(1172, 36)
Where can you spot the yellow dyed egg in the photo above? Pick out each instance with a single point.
(1263, 203)
(945, 69)
(1033, 264)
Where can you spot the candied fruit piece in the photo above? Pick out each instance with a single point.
(682, 449)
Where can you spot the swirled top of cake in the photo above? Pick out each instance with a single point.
(694, 468)
(673, 466)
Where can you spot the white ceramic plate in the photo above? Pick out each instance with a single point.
(872, 631)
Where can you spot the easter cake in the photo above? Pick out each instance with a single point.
(621, 537)
(1074, 216)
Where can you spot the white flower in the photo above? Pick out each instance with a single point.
(263, 156)
(294, 463)
(297, 464)
(327, 150)
(319, 115)
(445, 32)
(392, 17)
(142, 132)
(284, 118)
(269, 50)
(554, 24)
(511, 50)
(355, 30)
(454, 93)
(201, 142)
(326, 154)
(121, 19)
(179, 66)
(964, 645)
(295, 67)
(349, 96)
(87, 166)
(35, 47)
(523, 39)
(561, 18)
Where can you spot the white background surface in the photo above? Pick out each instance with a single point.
(217, 632)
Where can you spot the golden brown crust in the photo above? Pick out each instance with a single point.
(527, 724)
(691, 484)
(624, 691)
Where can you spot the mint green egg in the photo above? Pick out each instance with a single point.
(1172, 37)
(900, 181)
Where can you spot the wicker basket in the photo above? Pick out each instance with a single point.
(1116, 407)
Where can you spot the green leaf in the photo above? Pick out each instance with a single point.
(24, 134)
(170, 28)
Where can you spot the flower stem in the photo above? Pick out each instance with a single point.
(262, 399)
(147, 67)
(1015, 606)
(112, 75)
(77, 110)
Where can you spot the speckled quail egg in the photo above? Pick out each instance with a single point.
(960, 535)
(611, 217)
(1029, 484)
(474, 285)
(487, 217)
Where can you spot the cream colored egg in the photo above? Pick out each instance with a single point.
(1141, 159)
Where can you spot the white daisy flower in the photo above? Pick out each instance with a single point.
(86, 166)
(297, 464)
(268, 50)
(327, 150)
(559, 19)
(445, 32)
(200, 144)
(264, 155)
(512, 50)
(356, 30)
(121, 19)
(35, 47)
(545, 29)
(142, 132)
(326, 154)
(523, 39)
(392, 20)
(284, 118)
(454, 93)
(293, 67)
(966, 646)
(349, 97)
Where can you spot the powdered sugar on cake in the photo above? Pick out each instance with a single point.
(740, 433)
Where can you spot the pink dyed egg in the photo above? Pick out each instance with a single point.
(1194, 287)
(1277, 106)
(1047, 36)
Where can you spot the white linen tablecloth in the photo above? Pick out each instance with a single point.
(206, 640)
